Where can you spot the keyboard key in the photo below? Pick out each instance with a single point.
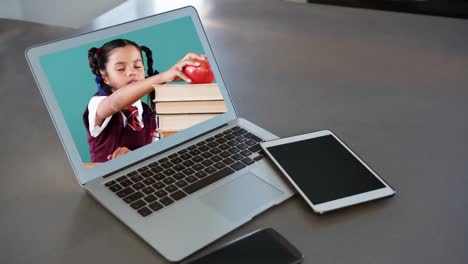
(234, 150)
(121, 178)
(178, 176)
(169, 172)
(142, 169)
(166, 201)
(125, 192)
(238, 166)
(201, 143)
(147, 174)
(168, 180)
(208, 180)
(215, 150)
(257, 139)
(161, 193)
(159, 176)
(206, 155)
(207, 162)
(239, 132)
(185, 156)
(191, 179)
(178, 195)
(173, 156)
(242, 146)
(107, 184)
(255, 148)
(258, 158)
(138, 204)
(212, 144)
(228, 161)
(157, 169)
(219, 165)
(233, 143)
(188, 163)
(235, 128)
(251, 142)
(115, 188)
(163, 160)
(237, 156)
(210, 170)
(224, 147)
(149, 181)
(158, 185)
(126, 183)
(247, 161)
(181, 184)
(220, 141)
(218, 135)
(182, 152)
(216, 158)
(198, 167)
(229, 137)
(199, 175)
(188, 171)
(246, 152)
(192, 147)
(136, 178)
(176, 160)
(194, 152)
(210, 139)
(153, 164)
(225, 154)
(227, 132)
(197, 159)
(138, 186)
(248, 135)
(133, 197)
(144, 211)
(171, 188)
(203, 148)
(150, 198)
(155, 206)
(133, 173)
(241, 139)
(148, 190)
(178, 167)
(167, 165)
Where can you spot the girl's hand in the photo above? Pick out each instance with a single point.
(118, 152)
(175, 73)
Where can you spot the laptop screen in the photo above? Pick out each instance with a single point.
(132, 89)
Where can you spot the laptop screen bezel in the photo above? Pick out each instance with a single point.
(84, 175)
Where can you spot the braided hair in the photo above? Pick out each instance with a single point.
(98, 58)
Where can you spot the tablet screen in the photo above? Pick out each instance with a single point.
(324, 169)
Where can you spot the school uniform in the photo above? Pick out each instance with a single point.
(116, 131)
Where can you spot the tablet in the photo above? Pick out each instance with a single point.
(325, 172)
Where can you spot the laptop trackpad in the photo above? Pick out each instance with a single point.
(241, 197)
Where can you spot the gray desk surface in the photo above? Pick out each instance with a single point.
(393, 86)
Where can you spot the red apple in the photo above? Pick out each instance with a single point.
(201, 73)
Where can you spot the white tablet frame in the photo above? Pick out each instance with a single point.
(335, 204)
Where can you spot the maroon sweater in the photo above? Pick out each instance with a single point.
(116, 135)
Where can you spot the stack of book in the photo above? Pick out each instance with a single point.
(179, 106)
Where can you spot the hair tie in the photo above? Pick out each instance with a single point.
(98, 51)
(98, 81)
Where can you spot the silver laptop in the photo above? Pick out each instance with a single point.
(198, 174)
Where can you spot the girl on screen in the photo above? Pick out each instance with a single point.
(116, 120)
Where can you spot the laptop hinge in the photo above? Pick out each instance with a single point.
(166, 150)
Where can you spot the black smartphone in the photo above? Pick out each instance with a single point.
(261, 246)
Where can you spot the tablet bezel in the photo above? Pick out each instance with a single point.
(334, 204)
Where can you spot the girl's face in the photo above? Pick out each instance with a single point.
(124, 66)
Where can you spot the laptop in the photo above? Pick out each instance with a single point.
(200, 174)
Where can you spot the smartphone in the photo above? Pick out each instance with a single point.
(261, 246)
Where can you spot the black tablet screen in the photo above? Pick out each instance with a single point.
(324, 169)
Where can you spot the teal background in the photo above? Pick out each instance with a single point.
(73, 83)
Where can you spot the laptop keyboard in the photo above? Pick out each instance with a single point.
(161, 183)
